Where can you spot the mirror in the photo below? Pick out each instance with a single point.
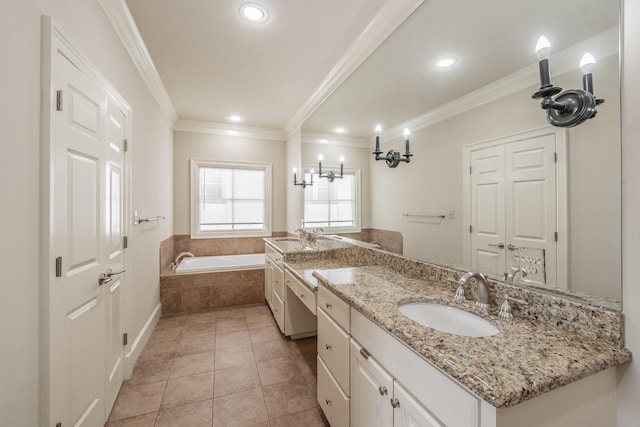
(479, 113)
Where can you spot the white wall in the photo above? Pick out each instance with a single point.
(294, 193)
(628, 393)
(432, 183)
(355, 158)
(202, 146)
(86, 24)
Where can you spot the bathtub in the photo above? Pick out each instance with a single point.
(221, 263)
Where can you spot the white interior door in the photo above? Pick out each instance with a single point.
(487, 210)
(87, 193)
(516, 206)
(531, 207)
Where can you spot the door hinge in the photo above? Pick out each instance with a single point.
(59, 266)
(58, 424)
(471, 229)
(126, 145)
(469, 169)
(555, 157)
(125, 339)
(125, 242)
(555, 236)
(58, 100)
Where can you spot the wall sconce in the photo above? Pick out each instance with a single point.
(393, 157)
(331, 175)
(303, 183)
(571, 107)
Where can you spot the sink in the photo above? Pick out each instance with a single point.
(448, 319)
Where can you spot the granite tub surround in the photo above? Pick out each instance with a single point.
(526, 358)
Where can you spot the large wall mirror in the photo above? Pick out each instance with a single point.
(491, 185)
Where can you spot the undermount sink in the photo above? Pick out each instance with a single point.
(448, 319)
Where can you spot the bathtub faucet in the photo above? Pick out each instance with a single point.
(181, 255)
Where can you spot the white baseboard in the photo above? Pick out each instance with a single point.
(131, 357)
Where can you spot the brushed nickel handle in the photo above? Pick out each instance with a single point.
(301, 295)
(106, 277)
(327, 401)
(327, 346)
(326, 304)
(395, 402)
(500, 245)
(383, 390)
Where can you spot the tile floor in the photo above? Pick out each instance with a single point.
(221, 368)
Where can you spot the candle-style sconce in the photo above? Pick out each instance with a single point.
(393, 157)
(331, 175)
(302, 183)
(570, 107)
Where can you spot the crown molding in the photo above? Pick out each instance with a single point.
(390, 16)
(327, 139)
(602, 45)
(224, 129)
(120, 17)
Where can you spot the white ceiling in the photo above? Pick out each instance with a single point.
(214, 64)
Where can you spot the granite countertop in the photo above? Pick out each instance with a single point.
(304, 270)
(527, 358)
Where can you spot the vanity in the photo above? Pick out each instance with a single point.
(549, 365)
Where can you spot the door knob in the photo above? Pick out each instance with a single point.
(499, 245)
(512, 247)
(106, 277)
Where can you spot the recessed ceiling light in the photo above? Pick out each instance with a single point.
(339, 130)
(445, 62)
(235, 118)
(254, 13)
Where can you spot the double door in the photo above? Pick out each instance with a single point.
(513, 214)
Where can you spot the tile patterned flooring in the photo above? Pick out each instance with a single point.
(221, 368)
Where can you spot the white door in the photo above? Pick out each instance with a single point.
(513, 213)
(487, 210)
(85, 371)
(531, 207)
(371, 391)
(408, 412)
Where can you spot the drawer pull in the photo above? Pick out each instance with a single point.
(301, 295)
(327, 346)
(365, 353)
(383, 390)
(328, 401)
(395, 402)
(326, 304)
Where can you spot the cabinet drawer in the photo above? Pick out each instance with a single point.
(333, 348)
(278, 311)
(272, 253)
(334, 403)
(307, 296)
(337, 309)
(277, 277)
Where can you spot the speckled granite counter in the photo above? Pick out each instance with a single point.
(527, 358)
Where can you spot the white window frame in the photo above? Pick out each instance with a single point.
(357, 204)
(196, 165)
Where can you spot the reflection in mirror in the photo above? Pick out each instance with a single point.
(521, 200)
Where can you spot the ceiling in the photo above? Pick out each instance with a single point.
(214, 64)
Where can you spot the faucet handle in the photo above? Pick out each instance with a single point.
(460, 291)
(505, 308)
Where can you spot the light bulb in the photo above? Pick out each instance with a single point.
(406, 133)
(378, 130)
(320, 157)
(341, 159)
(587, 62)
(311, 171)
(543, 48)
(295, 170)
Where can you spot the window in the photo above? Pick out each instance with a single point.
(333, 205)
(230, 199)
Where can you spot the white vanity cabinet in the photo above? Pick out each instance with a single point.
(274, 284)
(378, 399)
(299, 308)
(333, 357)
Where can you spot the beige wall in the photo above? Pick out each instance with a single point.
(294, 193)
(628, 392)
(203, 146)
(355, 158)
(151, 153)
(432, 182)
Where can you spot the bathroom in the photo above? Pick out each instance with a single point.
(160, 146)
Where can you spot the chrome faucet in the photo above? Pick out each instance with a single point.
(179, 257)
(482, 291)
(302, 235)
(511, 274)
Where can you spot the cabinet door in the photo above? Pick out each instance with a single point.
(371, 389)
(408, 412)
(268, 284)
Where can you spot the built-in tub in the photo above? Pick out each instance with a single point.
(212, 283)
(221, 263)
